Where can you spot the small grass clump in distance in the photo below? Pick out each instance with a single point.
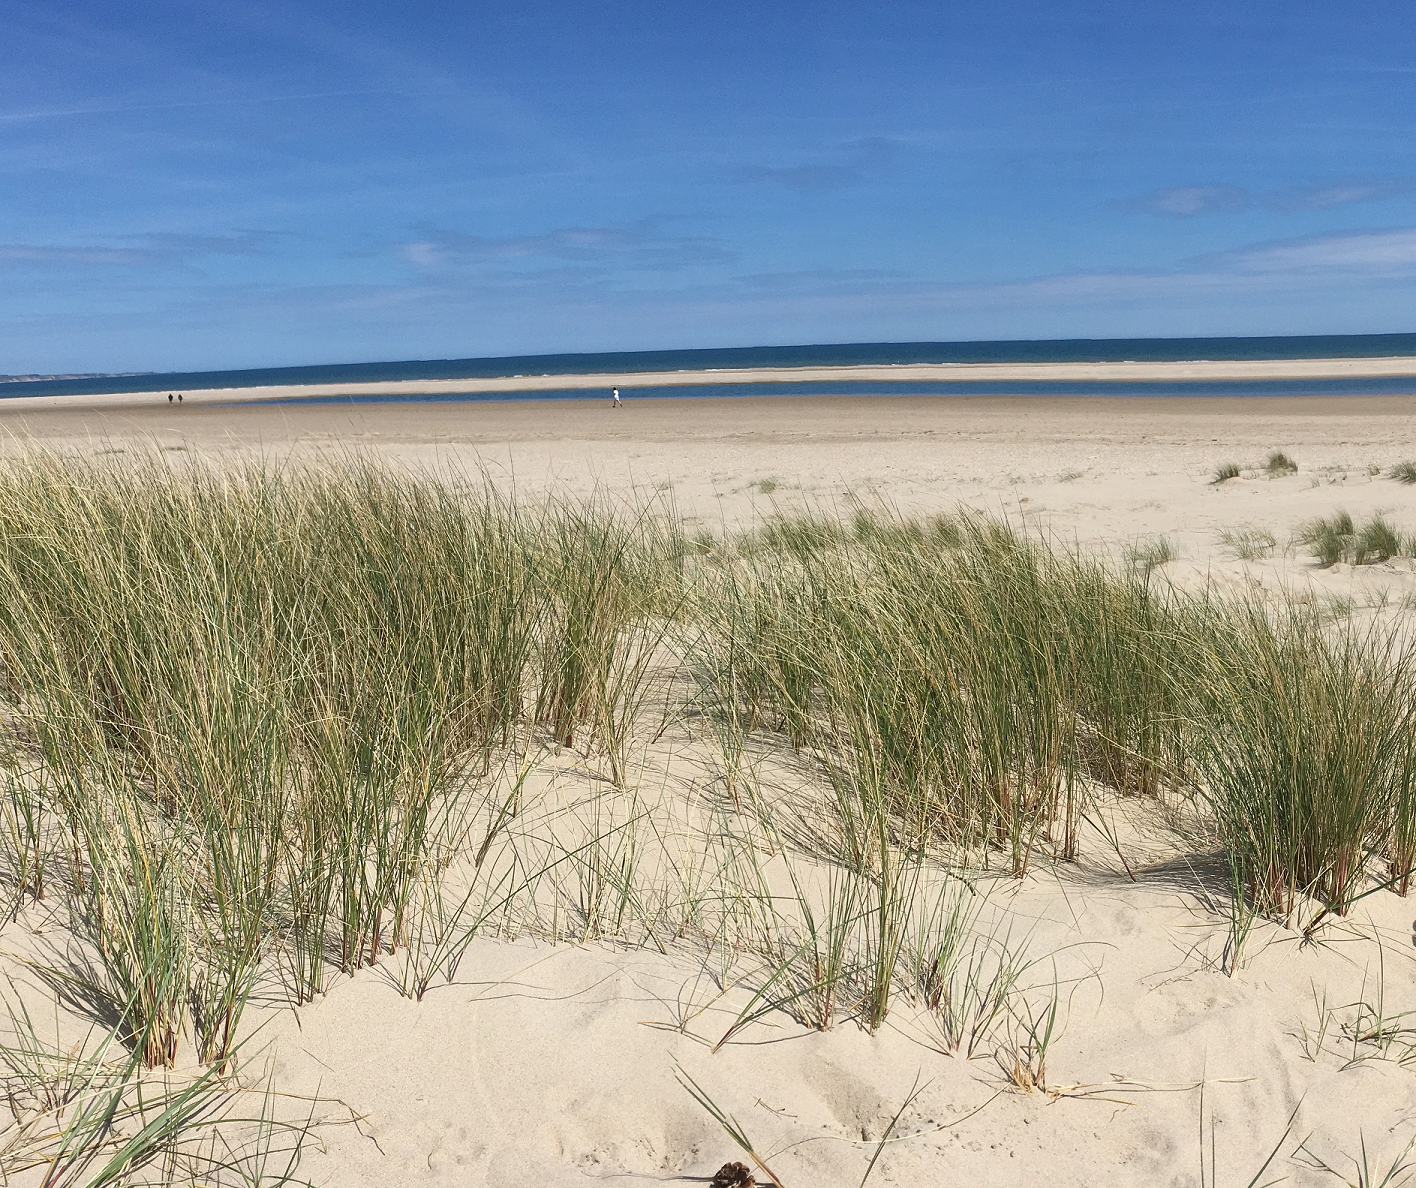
(1337, 538)
(1222, 474)
(1280, 464)
(1248, 544)
(1403, 472)
(1330, 539)
(1150, 553)
(1379, 540)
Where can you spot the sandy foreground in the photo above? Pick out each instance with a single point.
(555, 1065)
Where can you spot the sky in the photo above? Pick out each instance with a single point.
(194, 185)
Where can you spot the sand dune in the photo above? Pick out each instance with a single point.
(555, 1065)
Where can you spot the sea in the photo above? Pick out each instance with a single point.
(626, 363)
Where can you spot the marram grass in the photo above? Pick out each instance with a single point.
(253, 691)
(261, 713)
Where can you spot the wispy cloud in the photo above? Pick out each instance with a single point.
(1320, 263)
(1384, 253)
(1340, 192)
(1188, 201)
(46, 253)
(176, 244)
(804, 179)
(102, 109)
(824, 280)
(1323, 264)
(847, 165)
(145, 249)
(512, 305)
(643, 245)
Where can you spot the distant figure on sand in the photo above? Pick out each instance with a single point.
(616, 396)
(179, 397)
(169, 397)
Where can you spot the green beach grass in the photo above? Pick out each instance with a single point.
(273, 725)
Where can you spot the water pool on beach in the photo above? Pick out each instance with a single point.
(1356, 386)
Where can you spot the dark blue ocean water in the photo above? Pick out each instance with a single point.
(877, 353)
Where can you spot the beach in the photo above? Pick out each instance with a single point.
(560, 1049)
(1097, 470)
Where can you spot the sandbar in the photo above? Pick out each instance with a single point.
(1101, 373)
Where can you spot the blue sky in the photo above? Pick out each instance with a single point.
(198, 185)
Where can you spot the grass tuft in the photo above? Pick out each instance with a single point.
(1337, 538)
(1248, 544)
(1331, 539)
(1150, 553)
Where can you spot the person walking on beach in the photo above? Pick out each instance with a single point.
(179, 397)
(615, 395)
(169, 397)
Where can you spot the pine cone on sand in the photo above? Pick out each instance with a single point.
(733, 1175)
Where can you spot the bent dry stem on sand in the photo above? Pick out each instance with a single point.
(293, 723)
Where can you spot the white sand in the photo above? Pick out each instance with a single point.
(554, 1065)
